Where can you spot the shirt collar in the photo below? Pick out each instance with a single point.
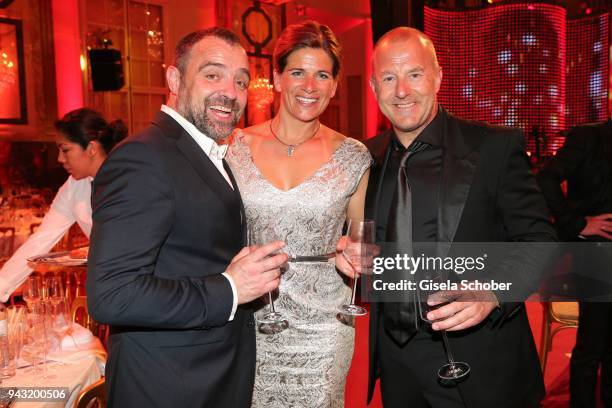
(208, 145)
(431, 135)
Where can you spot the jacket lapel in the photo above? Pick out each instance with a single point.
(243, 224)
(459, 161)
(379, 149)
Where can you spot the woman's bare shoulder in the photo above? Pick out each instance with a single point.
(335, 137)
(255, 131)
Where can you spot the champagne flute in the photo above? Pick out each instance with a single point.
(55, 289)
(32, 290)
(69, 288)
(358, 252)
(453, 370)
(271, 322)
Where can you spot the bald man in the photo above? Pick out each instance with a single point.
(468, 182)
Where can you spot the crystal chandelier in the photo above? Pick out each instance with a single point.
(8, 76)
(261, 92)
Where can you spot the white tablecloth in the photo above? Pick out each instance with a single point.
(80, 369)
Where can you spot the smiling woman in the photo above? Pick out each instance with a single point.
(299, 181)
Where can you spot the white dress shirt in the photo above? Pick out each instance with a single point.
(71, 204)
(208, 146)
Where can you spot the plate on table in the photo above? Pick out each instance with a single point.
(63, 258)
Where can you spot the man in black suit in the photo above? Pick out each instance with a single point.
(465, 182)
(585, 162)
(166, 269)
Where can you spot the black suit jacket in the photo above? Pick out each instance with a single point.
(585, 161)
(487, 194)
(166, 225)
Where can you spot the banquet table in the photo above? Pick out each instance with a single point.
(73, 369)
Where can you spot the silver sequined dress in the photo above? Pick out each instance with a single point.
(305, 365)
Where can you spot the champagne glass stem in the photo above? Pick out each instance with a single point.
(354, 289)
(44, 349)
(272, 310)
(59, 346)
(449, 353)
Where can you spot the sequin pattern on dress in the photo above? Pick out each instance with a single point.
(305, 365)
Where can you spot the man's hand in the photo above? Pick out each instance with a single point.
(256, 270)
(598, 225)
(360, 260)
(468, 309)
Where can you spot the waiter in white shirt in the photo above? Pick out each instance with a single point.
(84, 139)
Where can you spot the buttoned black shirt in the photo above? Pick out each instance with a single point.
(423, 170)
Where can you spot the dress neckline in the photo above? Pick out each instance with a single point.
(305, 180)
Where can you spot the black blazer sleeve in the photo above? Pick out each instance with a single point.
(523, 208)
(525, 218)
(133, 211)
(555, 171)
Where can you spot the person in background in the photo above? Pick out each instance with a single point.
(299, 181)
(585, 215)
(84, 139)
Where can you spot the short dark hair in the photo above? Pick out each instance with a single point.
(308, 34)
(184, 46)
(85, 125)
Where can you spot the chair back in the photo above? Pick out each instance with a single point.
(33, 227)
(80, 315)
(94, 394)
(565, 313)
(556, 316)
(7, 243)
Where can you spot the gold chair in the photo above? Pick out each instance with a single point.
(564, 315)
(80, 315)
(7, 243)
(33, 227)
(94, 394)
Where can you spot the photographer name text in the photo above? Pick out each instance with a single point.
(430, 285)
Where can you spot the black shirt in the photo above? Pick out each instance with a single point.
(423, 170)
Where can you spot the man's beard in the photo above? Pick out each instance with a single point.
(196, 114)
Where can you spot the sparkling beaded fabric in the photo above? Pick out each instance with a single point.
(305, 365)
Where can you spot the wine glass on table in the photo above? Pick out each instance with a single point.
(429, 298)
(35, 338)
(358, 253)
(60, 320)
(31, 352)
(271, 322)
